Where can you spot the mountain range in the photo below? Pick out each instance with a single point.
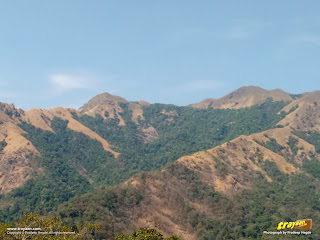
(227, 168)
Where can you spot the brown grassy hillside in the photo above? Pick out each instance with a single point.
(306, 115)
(17, 157)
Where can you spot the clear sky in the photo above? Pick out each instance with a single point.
(170, 51)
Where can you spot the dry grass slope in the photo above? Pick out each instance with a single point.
(17, 158)
(307, 115)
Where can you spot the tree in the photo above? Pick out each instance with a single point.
(42, 226)
(145, 234)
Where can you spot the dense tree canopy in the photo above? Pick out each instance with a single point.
(145, 234)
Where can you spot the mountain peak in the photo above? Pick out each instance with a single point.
(101, 99)
(10, 109)
(246, 96)
(108, 106)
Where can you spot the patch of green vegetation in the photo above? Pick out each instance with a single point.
(221, 167)
(293, 108)
(245, 166)
(296, 96)
(271, 169)
(253, 211)
(273, 145)
(195, 188)
(292, 142)
(108, 208)
(67, 153)
(311, 137)
(145, 234)
(45, 224)
(3, 144)
(112, 208)
(312, 166)
(259, 155)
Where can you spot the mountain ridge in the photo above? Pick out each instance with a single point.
(246, 96)
(273, 141)
(105, 102)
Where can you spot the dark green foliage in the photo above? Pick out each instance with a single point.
(296, 96)
(273, 145)
(247, 215)
(294, 108)
(196, 189)
(272, 170)
(312, 166)
(259, 155)
(292, 142)
(10, 111)
(270, 203)
(108, 208)
(311, 137)
(145, 234)
(113, 200)
(66, 152)
(211, 126)
(3, 144)
(197, 129)
(45, 224)
(112, 208)
(221, 167)
(245, 166)
(41, 195)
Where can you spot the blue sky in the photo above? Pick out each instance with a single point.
(180, 52)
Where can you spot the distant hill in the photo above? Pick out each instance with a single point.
(223, 168)
(244, 97)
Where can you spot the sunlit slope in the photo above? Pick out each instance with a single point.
(17, 163)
